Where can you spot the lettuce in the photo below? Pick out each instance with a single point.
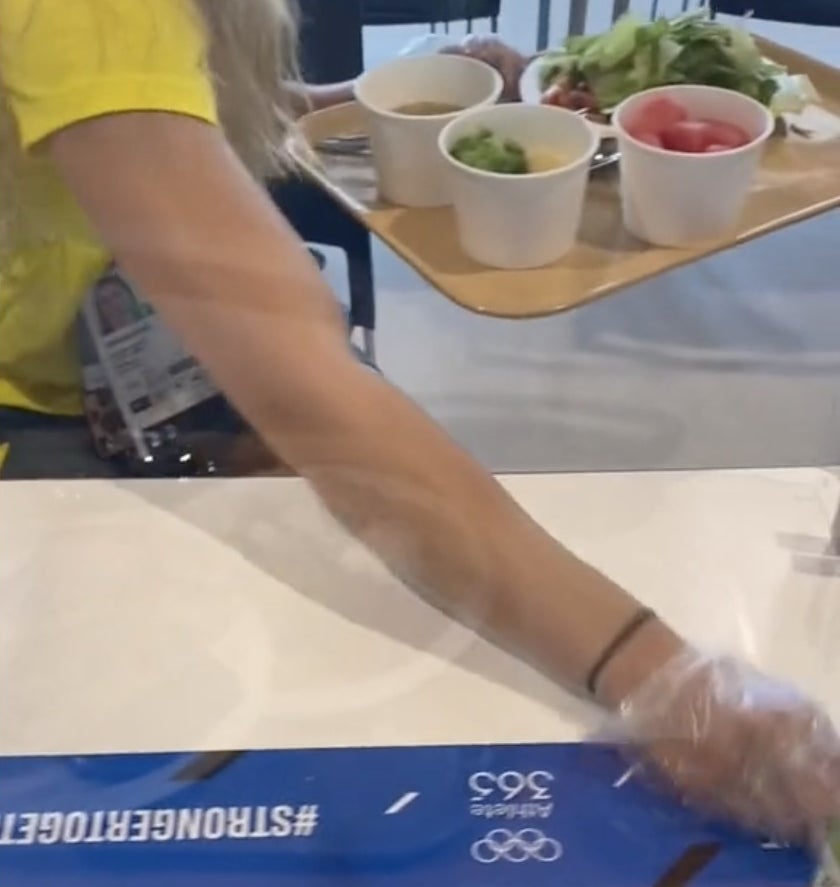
(636, 55)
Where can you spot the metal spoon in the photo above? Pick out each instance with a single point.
(606, 156)
(359, 146)
(345, 146)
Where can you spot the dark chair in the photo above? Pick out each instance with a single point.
(430, 12)
(686, 6)
(802, 12)
(331, 52)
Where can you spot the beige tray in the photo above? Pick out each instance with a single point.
(799, 178)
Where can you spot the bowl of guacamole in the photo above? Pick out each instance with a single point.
(517, 176)
(488, 152)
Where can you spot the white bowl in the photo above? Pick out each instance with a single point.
(678, 200)
(405, 149)
(521, 221)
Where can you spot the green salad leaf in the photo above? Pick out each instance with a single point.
(636, 55)
(483, 150)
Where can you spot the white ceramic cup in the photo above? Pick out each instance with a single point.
(521, 221)
(405, 147)
(678, 200)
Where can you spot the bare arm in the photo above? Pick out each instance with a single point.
(312, 97)
(206, 246)
(509, 62)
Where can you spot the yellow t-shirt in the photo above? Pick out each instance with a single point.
(63, 61)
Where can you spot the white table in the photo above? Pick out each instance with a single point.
(234, 614)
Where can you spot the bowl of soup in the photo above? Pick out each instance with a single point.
(407, 103)
(518, 176)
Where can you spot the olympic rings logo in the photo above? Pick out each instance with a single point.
(528, 844)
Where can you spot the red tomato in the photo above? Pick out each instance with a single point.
(551, 95)
(647, 137)
(558, 96)
(664, 123)
(727, 134)
(689, 137)
(658, 114)
(580, 100)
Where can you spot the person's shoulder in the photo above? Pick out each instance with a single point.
(67, 60)
(124, 21)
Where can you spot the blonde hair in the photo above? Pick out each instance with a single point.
(252, 58)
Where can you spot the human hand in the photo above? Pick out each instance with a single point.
(492, 51)
(737, 744)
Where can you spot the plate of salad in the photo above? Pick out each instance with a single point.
(593, 74)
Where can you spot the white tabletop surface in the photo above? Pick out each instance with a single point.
(234, 614)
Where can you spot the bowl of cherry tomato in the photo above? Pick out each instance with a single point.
(689, 158)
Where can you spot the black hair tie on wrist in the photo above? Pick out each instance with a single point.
(627, 633)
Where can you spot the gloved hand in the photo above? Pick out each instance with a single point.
(489, 49)
(738, 744)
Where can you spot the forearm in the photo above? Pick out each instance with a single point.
(311, 97)
(231, 278)
(456, 536)
(431, 513)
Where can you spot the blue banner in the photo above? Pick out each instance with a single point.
(461, 816)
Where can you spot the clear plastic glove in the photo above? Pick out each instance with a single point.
(506, 60)
(737, 744)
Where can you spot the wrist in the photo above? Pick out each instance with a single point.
(652, 648)
(329, 95)
(347, 91)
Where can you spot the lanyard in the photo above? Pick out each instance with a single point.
(137, 377)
